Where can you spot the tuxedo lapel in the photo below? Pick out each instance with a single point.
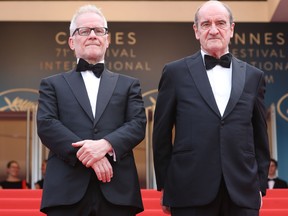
(238, 82)
(197, 70)
(77, 86)
(106, 88)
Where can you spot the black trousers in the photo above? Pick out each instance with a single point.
(92, 204)
(221, 206)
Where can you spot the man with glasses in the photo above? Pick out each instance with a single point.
(90, 119)
(217, 163)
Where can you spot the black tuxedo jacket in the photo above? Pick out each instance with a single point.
(207, 146)
(65, 116)
(279, 183)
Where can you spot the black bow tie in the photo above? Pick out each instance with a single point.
(211, 62)
(84, 65)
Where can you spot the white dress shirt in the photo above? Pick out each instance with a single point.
(220, 79)
(92, 86)
(271, 181)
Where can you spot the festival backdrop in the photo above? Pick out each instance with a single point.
(33, 50)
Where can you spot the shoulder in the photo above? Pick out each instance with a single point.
(121, 77)
(280, 180)
(60, 79)
(183, 65)
(185, 60)
(180, 68)
(249, 67)
(59, 75)
(11, 185)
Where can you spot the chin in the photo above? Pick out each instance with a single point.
(93, 56)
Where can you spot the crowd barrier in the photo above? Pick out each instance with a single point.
(24, 202)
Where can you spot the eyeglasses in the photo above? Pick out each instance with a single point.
(86, 31)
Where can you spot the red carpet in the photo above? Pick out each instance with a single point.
(26, 203)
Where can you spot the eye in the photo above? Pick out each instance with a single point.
(221, 24)
(205, 25)
(99, 30)
(84, 31)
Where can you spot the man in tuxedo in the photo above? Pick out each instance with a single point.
(273, 180)
(90, 119)
(210, 144)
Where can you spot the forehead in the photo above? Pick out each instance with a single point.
(213, 11)
(90, 19)
(14, 165)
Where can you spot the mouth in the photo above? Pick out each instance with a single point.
(97, 45)
(214, 39)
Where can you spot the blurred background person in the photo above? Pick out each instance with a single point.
(273, 180)
(13, 181)
(39, 184)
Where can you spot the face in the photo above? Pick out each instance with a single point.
(92, 48)
(13, 170)
(214, 29)
(272, 169)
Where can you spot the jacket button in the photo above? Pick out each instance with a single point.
(95, 130)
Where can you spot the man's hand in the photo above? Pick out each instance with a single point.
(92, 151)
(103, 170)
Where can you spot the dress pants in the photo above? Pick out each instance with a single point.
(221, 206)
(92, 204)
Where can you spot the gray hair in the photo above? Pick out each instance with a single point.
(231, 19)
(82, 10)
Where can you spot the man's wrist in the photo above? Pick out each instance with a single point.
(109, 146)
(110, 150)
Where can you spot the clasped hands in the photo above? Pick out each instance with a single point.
(92, 154)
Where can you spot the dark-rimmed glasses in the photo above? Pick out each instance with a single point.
(86, 31)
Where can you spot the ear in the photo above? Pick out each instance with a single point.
(196, 31)
(232, 29)
(71, 43)
(108, 38)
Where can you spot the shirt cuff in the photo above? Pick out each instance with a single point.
(112, 154)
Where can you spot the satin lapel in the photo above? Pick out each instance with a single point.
(238, 82)
(76, 83)
(106, 88)
(197, 70)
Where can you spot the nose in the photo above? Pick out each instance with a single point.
(213, 29)
(92, 34)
